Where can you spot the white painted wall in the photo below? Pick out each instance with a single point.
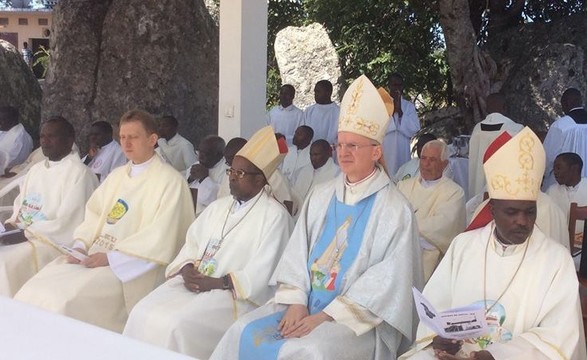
(243, 67)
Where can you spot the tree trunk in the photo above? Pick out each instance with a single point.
(471, 68)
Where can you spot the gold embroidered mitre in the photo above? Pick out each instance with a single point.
(264, 151)
(363, 110)
(514, 171)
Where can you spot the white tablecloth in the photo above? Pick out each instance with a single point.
(27, 332)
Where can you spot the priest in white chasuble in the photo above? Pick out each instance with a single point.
(135, 224)
(49, 207)
(525, 282)
(438, 203)
(223, 270)
(344, 281)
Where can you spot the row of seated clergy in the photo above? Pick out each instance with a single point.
(438, 204)
(504, 264)
(223, 270)
(49, 207)
(207, 174)
(321, 169)
(278, 186)
(570, 187)
(104, 153)
(15, 142)
(134, 225)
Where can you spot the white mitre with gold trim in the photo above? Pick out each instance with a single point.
(363, 110)
(515, 170)
(264, 151)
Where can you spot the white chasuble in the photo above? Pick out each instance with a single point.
(49, 207)
(145, 217)
(245, 244)
(531, 297)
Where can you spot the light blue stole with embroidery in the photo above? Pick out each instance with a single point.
(330, 258)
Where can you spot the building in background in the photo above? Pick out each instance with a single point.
(27, 20)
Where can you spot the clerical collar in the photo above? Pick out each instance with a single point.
(503, 249)
(51, 163)
(429, 183)
(137, 169)
(238, 205)
(353, 191)
(577, 108)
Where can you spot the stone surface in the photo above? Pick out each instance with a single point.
(20, 87)
(306, 55)
(538, 62)
(160, 56)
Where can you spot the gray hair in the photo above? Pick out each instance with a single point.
(439, 144)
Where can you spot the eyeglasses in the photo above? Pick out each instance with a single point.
(350, 146)
(240, 173)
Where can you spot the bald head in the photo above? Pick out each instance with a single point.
(496, 103)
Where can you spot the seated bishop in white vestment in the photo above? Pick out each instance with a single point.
(134, 225)
(345, 278)
(49, 207)
(525, 283)
(438, 203)
(234, 245)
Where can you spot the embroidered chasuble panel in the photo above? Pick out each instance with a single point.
(332, 255)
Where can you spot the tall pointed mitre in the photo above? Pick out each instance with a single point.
(363, 110)
(513, 171)
(264, 151)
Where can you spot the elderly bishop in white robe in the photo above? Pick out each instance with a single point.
(345, 278)
(438, 202)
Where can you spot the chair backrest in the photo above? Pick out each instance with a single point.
(576, 213)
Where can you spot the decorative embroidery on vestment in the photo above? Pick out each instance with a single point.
(117, 212)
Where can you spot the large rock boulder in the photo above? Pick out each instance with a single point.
(305, 55)
(20, 88)
(538, 61)
(160, 56)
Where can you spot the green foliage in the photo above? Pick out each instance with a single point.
(375, 38)
(43, 56)
(378, 38)
(547, 10)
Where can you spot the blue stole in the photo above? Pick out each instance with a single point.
(330, 258)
